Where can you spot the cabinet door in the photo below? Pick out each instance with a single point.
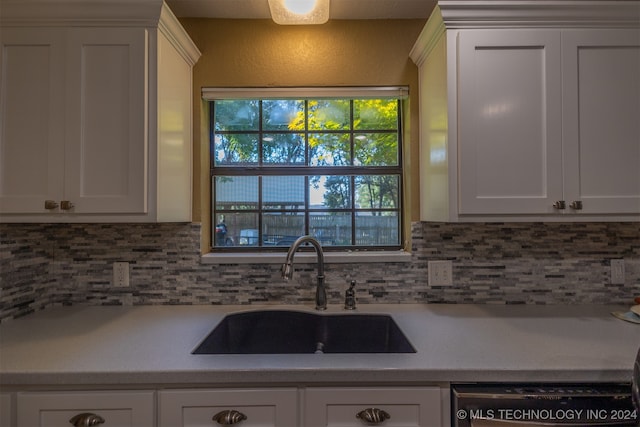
(255, 407)
(509, 121)
(601, 113)
(6, 410)
(106, 155)
(31, 118)
(55, 409)
(406, 407)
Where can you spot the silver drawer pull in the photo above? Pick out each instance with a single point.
(86, 419)
(229, 417)
(373, 416)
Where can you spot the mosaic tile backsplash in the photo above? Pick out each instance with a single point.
(44, 265)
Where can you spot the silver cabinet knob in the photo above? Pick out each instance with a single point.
(86, 419)
(576, 205)
(560, 204)
(66, 205)
(373, 416)
(50, 204)
(229, 417)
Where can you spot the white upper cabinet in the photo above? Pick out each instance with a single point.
(509, 121)
(96, 108)
(530, 112)
(105, 155)
(601, 120)
(32, 140)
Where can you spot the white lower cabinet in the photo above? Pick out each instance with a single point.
(64, 409)
(243, 407)
(388, 407)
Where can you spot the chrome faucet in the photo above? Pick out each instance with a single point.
(287, 268)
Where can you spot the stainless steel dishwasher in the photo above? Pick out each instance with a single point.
(537, 405)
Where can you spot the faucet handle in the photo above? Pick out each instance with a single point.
(350, 297)
(287, 271)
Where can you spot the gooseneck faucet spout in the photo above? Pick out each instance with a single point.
(287, 268)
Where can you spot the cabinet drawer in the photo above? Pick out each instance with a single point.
(405, 407)
(258, 407)
(56, 409)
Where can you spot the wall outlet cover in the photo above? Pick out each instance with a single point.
(121, 274)
(440, 273)
(617, 271)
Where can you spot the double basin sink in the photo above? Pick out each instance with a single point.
(295, 332)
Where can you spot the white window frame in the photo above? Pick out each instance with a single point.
(347, 256)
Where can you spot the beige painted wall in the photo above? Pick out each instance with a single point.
(260, 53)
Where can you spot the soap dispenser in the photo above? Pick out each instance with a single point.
(350, 297)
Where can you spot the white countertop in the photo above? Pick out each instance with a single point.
(151, 345)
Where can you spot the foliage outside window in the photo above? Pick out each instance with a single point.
(283, 168)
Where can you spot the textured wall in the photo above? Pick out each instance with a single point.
(531, 263)
(541, 263)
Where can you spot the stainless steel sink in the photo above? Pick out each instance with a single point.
(286, 332)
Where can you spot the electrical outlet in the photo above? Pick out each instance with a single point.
(440, 273)
(121, 274)
(617, 271)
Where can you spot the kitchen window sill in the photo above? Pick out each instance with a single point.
(343, 257)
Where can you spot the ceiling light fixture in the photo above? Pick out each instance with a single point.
(299, 12)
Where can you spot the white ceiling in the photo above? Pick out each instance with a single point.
(340, 9)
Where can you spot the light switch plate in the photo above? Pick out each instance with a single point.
(440, 273)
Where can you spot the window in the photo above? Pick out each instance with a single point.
(284, 166)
